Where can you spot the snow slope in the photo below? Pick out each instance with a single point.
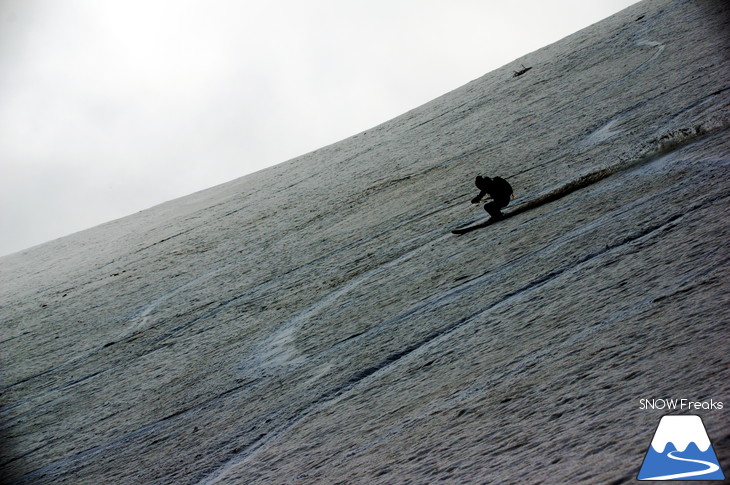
(316, 322)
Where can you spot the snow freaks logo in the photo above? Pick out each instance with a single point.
(680, 450)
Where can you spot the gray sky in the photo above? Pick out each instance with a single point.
(109, 107)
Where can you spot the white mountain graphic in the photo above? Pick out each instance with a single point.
(681, 431)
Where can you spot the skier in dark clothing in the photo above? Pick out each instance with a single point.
(499, 190)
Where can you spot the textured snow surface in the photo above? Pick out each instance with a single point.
(316, 322)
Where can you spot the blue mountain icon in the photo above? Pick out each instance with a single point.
(681, 450)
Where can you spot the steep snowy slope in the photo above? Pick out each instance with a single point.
(317, 322)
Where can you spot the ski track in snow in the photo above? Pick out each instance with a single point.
(276, 351)
(414, 351)
(277, 344)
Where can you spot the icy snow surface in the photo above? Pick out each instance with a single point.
(316, 322)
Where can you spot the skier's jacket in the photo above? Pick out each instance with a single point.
(497, 188)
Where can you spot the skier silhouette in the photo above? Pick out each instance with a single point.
(499, 190)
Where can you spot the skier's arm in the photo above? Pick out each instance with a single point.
(479, 197)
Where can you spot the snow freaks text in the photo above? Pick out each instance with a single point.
(679, 404)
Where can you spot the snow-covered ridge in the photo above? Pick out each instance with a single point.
(681, 431)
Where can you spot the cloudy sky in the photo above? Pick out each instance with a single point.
(109, 107)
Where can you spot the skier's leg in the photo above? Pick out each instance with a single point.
(493, 209)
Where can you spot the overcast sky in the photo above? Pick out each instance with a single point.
(110, 107)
